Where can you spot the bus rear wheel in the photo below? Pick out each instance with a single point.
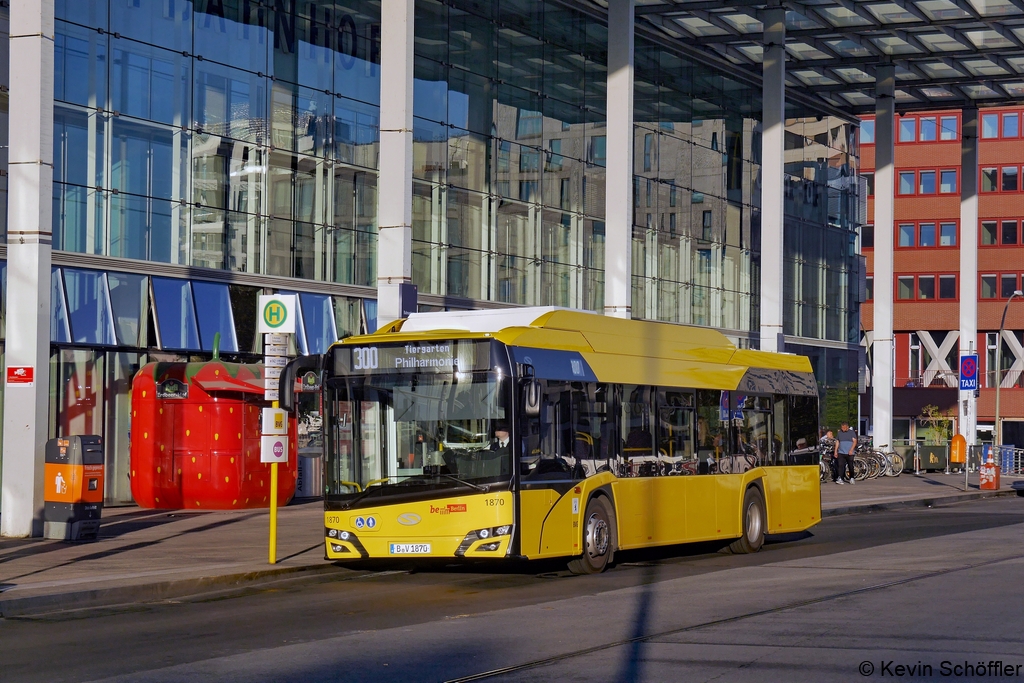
(597, 538)
(753, 523)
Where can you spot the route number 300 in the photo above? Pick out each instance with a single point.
(365, 358)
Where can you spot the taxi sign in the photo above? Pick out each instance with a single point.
(277, 313)
(968, 373)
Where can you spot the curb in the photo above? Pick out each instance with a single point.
(149, 592)
(916, 502)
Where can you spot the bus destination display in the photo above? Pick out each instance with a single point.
(443, 356)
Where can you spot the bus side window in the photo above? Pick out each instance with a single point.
(779, 430)
(675, 426)
(638, 447)
(803, 430)
(712, 431)
(591, 404)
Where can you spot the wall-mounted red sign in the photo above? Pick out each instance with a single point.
(24, 375)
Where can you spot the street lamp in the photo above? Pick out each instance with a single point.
(998, 436)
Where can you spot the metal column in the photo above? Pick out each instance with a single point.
(394, 182)
(882, 348)
(618, 281)
(26, 403)
(968, 422)
(773, 137)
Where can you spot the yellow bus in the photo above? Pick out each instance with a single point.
(547, 433)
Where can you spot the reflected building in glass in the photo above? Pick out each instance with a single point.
(207, 151)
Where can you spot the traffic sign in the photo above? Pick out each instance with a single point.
(273, 449)
(275, 421)
(277, 313)
(968, 373)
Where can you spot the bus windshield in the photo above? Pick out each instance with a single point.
(397, 429)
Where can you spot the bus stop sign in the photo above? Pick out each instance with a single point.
(968, 373)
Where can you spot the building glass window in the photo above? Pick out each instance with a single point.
(989, 179)
(905, 287)
(1007, 285)
(908, 129)
(948, 124)
(988, 286)
(906, 182)
(928, 130)
(129, 298)
(906, 235)
(867, 132)
(989, 126)
(175, 314)
(91, 322)
(214, 316)
(947, 235)
(927, 182)
(1009, 232)
(318, 321)
(926, 235)
(947, 181)
(59, 332)
(1009, 179)
(869, 288)
(1010, 125)
(947, 286)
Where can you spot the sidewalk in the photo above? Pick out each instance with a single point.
(146, 555)
(906, 490)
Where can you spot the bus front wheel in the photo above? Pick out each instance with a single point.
(597, 538)
(753, 523)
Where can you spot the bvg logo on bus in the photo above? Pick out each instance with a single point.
(448, 509)
(275, 314)
(408, 519)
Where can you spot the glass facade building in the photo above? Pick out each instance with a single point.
(208, 150)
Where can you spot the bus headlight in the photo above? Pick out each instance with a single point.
(481, 534)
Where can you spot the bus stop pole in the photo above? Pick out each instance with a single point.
(273, 506)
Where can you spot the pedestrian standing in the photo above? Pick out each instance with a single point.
(846, 442)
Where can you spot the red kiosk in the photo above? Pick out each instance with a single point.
(195, 438)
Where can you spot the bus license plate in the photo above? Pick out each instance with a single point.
(410, 548)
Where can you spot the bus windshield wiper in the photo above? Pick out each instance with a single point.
(368, 490)
(470, 484)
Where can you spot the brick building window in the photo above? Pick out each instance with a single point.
(947, 181)
(947, 286)
(905, 287)
(988, 286)
(925, 287)
(989, 233)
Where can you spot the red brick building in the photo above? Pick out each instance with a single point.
(927, 273)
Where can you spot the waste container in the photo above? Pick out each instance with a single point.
(309, 480)
(73, 488)
(934, 457)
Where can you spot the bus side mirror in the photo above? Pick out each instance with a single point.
(286, 385)
(531, 397)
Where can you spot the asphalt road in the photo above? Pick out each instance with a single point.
(875, 591)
